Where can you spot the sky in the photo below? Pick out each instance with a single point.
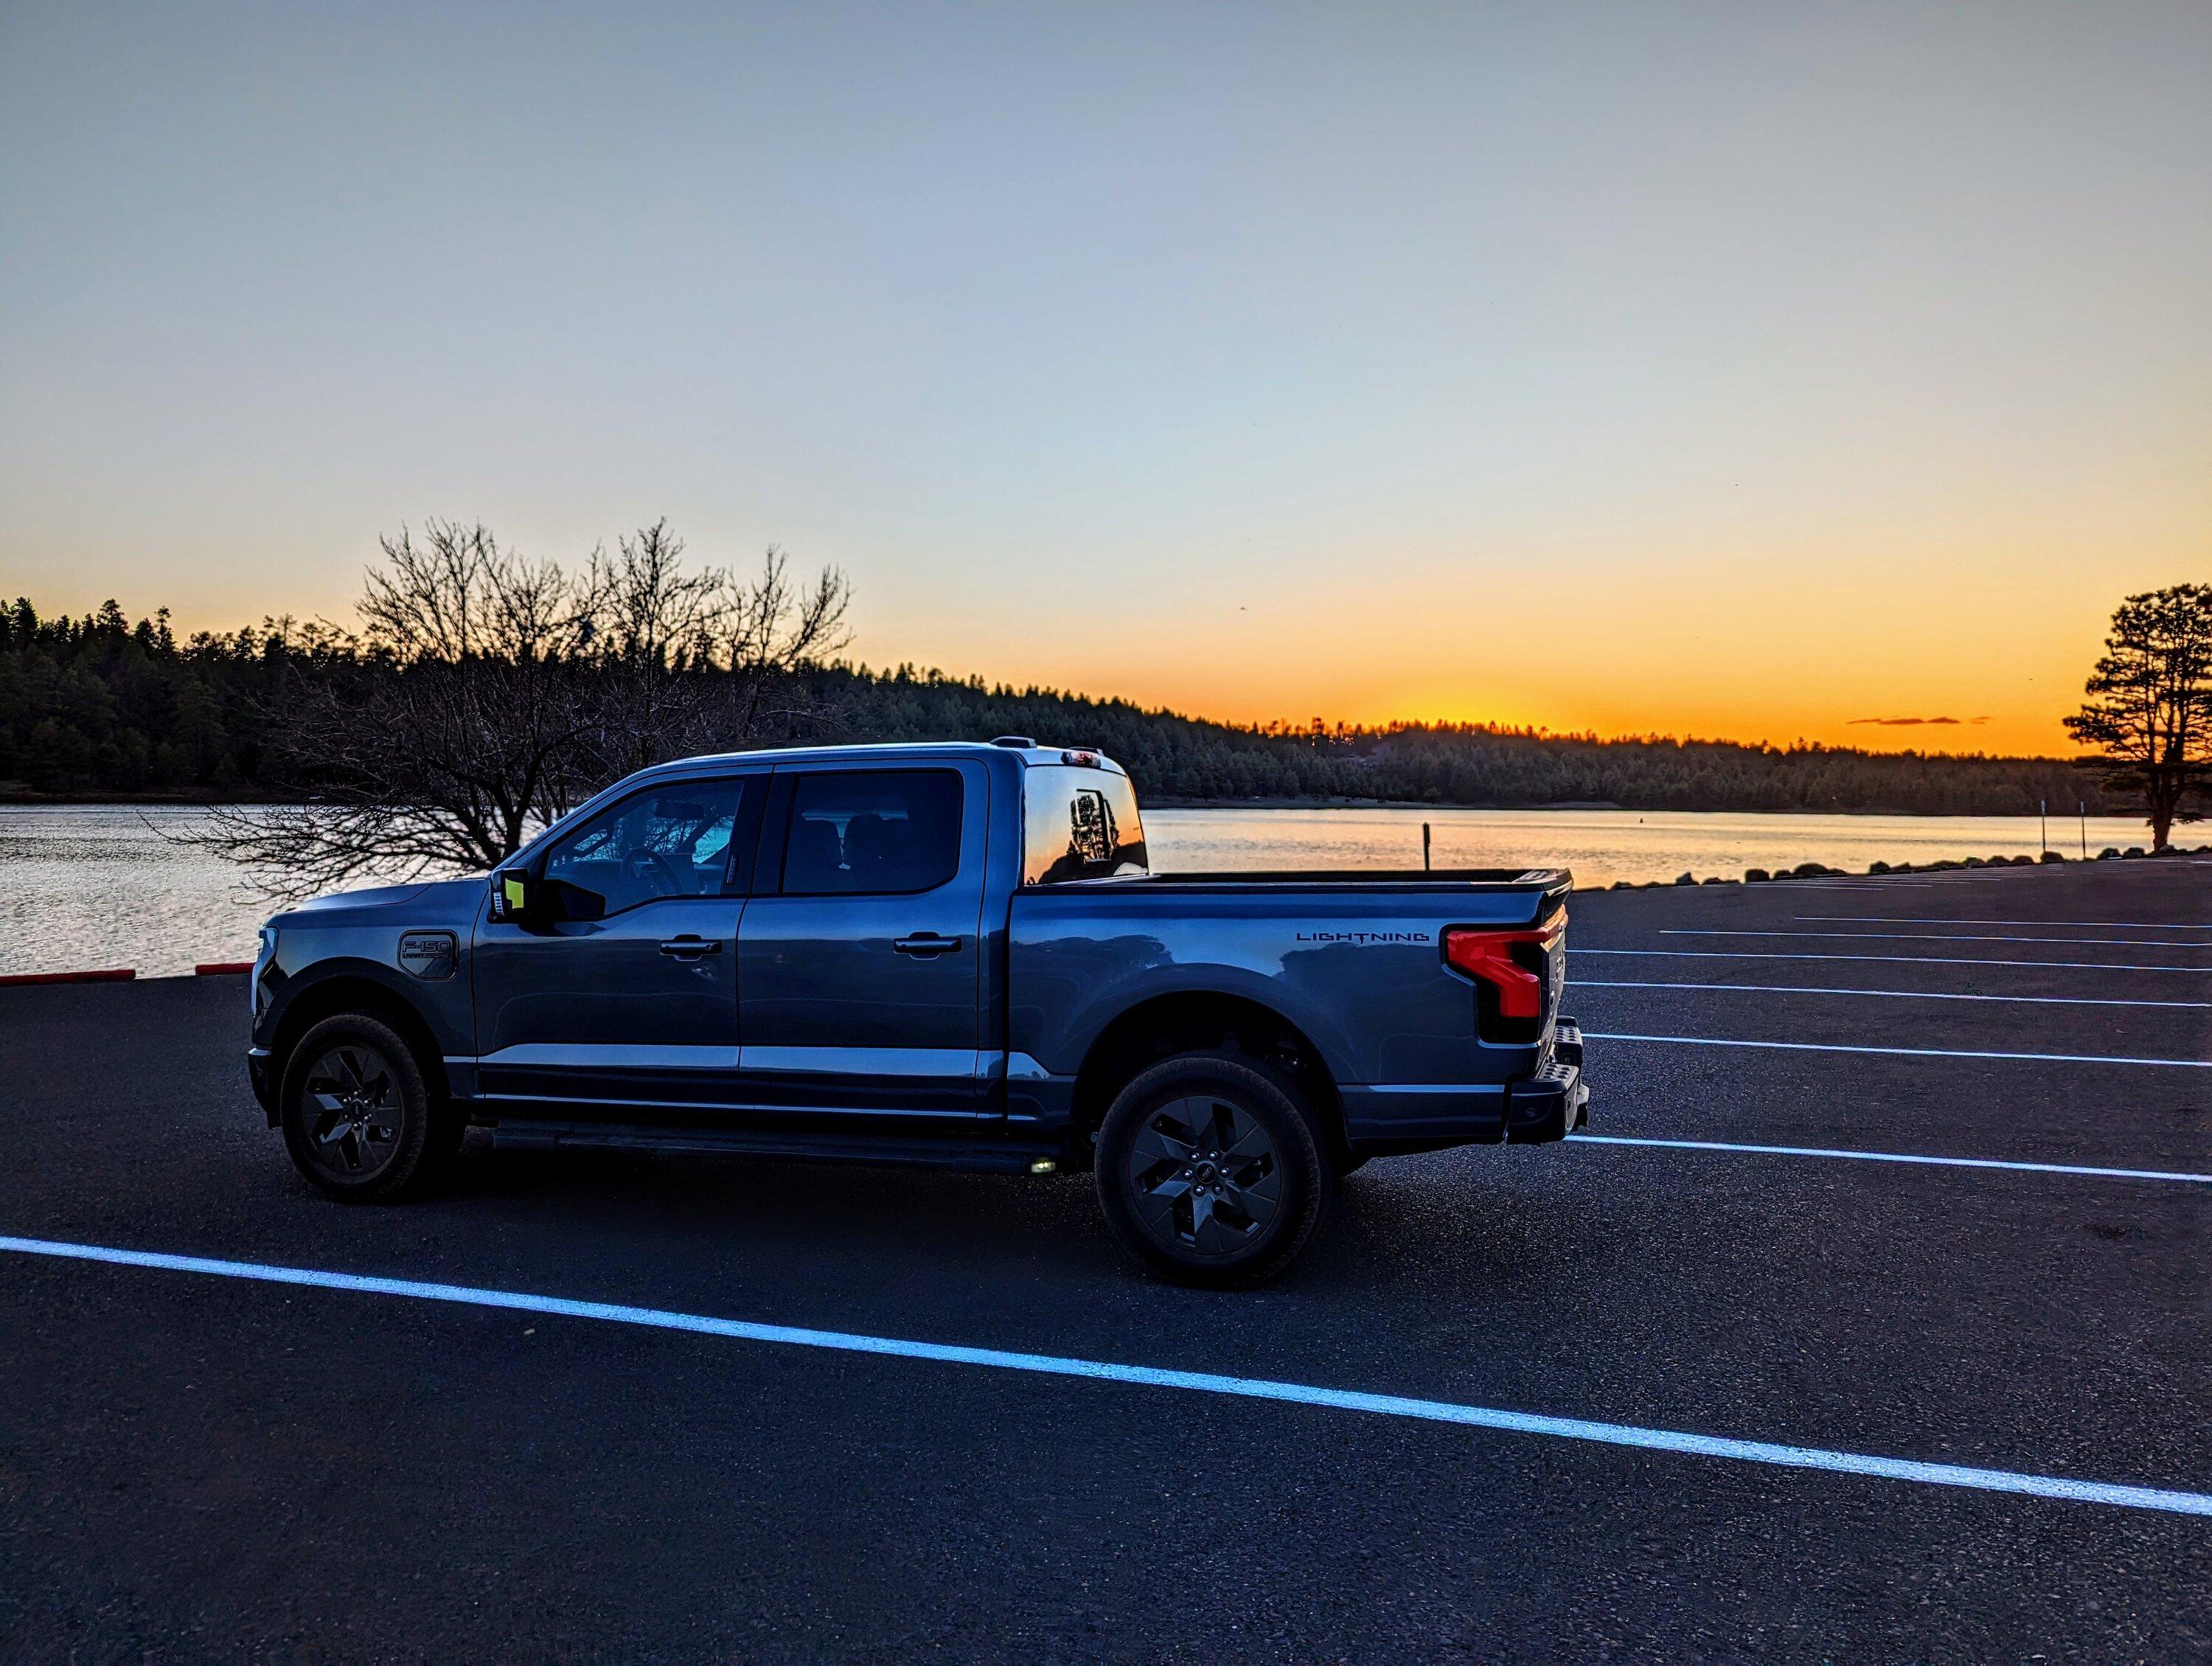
(1764, 372)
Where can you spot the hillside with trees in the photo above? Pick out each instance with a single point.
(105, 706)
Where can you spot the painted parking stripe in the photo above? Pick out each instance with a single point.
(2116, 1494)
(1945, 936)
(1901, 1157)
(1904, 1052)
(1914, 920)
(1892, 959)
(1896, 994)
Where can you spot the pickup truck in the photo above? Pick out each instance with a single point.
(949, 954)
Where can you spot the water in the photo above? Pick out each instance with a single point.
(1602, 846)
(92, 885)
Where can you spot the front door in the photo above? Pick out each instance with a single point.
(860, 968)
(631, 1016)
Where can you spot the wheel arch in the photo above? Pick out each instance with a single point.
(354, 990)
(1190, 1021)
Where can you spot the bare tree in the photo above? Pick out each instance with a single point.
(691, 660)
(776, 626)
(2150, 713)
(488, 694)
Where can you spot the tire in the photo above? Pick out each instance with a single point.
(1209, 1170)
(360, 1121)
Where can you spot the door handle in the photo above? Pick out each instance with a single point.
(926, 944)
(690, 948)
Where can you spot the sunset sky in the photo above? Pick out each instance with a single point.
(1750, 370)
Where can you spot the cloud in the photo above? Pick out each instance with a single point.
(1914, 722)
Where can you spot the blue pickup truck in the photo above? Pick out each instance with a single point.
(954, 955)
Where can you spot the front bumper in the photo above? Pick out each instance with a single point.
(257, 1073)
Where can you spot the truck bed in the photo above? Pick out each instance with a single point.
(1534, 880)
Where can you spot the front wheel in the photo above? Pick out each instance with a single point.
(1209, 1171)
(359, 1121)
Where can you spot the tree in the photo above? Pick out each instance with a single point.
(2150, 711)
(488, 695)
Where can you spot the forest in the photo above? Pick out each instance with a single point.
(102, 706)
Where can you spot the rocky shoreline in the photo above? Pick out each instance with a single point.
(1754, 876)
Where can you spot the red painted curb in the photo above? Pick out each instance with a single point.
(221, 968)
(112, 974)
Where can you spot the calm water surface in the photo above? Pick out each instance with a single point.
(87, 886)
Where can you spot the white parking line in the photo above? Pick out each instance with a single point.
(1895, 994)
(1892, 959)
(1946, 937)
(1901, 1157)
(1911, 920)
(1906, 1052)
(2118, 1495)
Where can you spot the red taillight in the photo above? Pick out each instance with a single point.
(1488, 955)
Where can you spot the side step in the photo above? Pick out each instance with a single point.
(514, 1134)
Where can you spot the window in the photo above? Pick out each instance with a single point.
(1079, 824)
(674, 841)
(873, 832)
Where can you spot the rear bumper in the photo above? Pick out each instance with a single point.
(1554, 1102)
(1548, 1105)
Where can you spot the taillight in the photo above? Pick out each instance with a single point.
(1501, 959)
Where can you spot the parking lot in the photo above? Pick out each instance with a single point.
(1869, 1321)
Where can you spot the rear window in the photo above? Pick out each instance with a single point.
(872, 832)
(1079, 824)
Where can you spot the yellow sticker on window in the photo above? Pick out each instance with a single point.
(513, 888)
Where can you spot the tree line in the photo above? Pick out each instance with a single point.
(105, 705)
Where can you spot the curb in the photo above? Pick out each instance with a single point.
(111, 974)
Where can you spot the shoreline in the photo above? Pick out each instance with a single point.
(1149, 805)
(177, 801)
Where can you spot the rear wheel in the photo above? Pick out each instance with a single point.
(1209, 1171)
(360, 1121)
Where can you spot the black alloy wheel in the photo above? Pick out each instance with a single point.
(353, 1113)
(1209, 1170)
(359, 1121)
(1204, 1175)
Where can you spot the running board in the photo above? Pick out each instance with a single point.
(511, 1134)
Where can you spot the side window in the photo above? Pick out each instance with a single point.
(872, 832)
(688, 839)
(1079, 824)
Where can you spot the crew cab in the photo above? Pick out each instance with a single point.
(950, 954)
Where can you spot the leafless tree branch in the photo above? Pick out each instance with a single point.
(488, 695)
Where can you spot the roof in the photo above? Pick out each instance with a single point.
(901, 751)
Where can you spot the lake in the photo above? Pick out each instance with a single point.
(89, 886)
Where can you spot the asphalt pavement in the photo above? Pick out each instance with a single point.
(1906, 1229)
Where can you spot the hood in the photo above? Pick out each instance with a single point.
(437, 901)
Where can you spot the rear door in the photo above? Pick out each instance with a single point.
(859, 963)
(633, 1015)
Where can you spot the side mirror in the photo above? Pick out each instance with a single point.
(515, 897)
(530, 900)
